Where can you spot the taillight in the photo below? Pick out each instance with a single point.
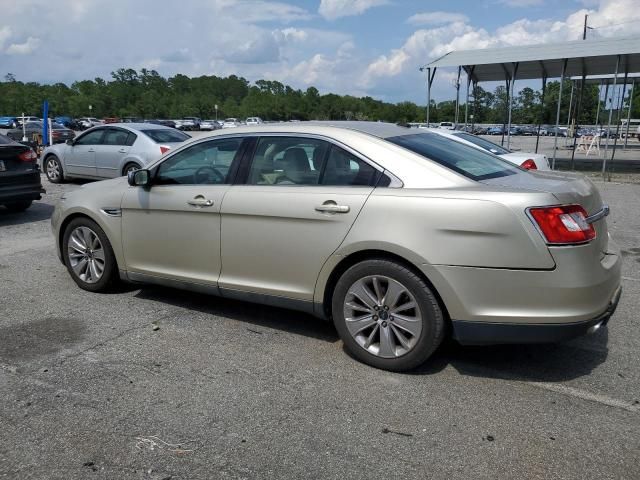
(563, 225)
(529, 164)
(164, 149)
(28, 156)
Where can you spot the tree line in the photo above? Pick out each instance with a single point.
(147, 94)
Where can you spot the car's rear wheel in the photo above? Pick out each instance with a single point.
(130, 167)
(386, 315)
(53, 169)
(88, 255)
(18, 206)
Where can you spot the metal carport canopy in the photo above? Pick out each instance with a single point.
(584, 57)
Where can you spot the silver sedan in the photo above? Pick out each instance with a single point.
(109, 151)
(400, 237)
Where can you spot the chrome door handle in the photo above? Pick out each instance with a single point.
(200, 202)
(332, 208)
(122, 150)
(91, 150)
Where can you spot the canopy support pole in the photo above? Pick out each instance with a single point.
(576, 119)
(555, 139)
(621, 105)
(540, 118)
(507, 82)
(626, 135)
(430, 77)
(606, 145)
(466, 105)
(513, 82)
(598, 108)
(457, 98)
(569, 112)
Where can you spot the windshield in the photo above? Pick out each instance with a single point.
(482, 143)
(169, 135)
(464, 159)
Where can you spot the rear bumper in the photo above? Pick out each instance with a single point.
(21, 187)
(487, 333)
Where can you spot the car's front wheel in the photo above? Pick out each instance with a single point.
(88, 255)
(53, 169)
(386, 315)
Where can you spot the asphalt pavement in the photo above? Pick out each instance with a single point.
(154, 383)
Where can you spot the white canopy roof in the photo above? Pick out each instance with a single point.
(584, 57)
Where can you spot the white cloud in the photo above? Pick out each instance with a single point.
(436, 18)
(25, 48)
(5, 34)
(332, 9)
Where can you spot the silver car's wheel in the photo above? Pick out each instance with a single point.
(86, 254)
(130, 167)
(382, 316)
(53, 169)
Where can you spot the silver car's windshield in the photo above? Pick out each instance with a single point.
(464, 159)
(482, 143)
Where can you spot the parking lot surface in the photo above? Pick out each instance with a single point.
(158, 383)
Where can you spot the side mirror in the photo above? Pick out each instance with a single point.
(139, 178)
(70, 141)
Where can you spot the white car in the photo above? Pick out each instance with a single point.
(446, 125)
(530, 161)
(231, 123)
(253, 121)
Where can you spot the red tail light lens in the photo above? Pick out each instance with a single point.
(563, 225)
(164, 149)
(529, 164)
(28, 156)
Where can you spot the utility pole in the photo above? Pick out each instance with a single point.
(584, 30)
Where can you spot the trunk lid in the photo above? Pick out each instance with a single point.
(567, 188)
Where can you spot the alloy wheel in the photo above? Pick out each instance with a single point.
(382, 316)
(53, 169)
(86, 254)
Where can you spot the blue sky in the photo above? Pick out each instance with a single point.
(357, 47)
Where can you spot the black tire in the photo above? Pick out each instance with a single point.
(50, 161)
(433, 321)
(18, 206)
(129, 165)
(110, 276)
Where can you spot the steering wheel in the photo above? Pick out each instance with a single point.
(205, 171)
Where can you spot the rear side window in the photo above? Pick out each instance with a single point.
(131, 138)
(166, 135)
(115, 137)
(343, 168)
(464, 159)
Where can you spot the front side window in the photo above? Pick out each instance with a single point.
(204, 163)
(464, 159)
(94, 137)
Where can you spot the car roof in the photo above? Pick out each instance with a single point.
(376, 129)
(137, 126)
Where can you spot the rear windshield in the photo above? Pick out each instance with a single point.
(482, 143)
(169, 135)
(5, 140)
(464, 159)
